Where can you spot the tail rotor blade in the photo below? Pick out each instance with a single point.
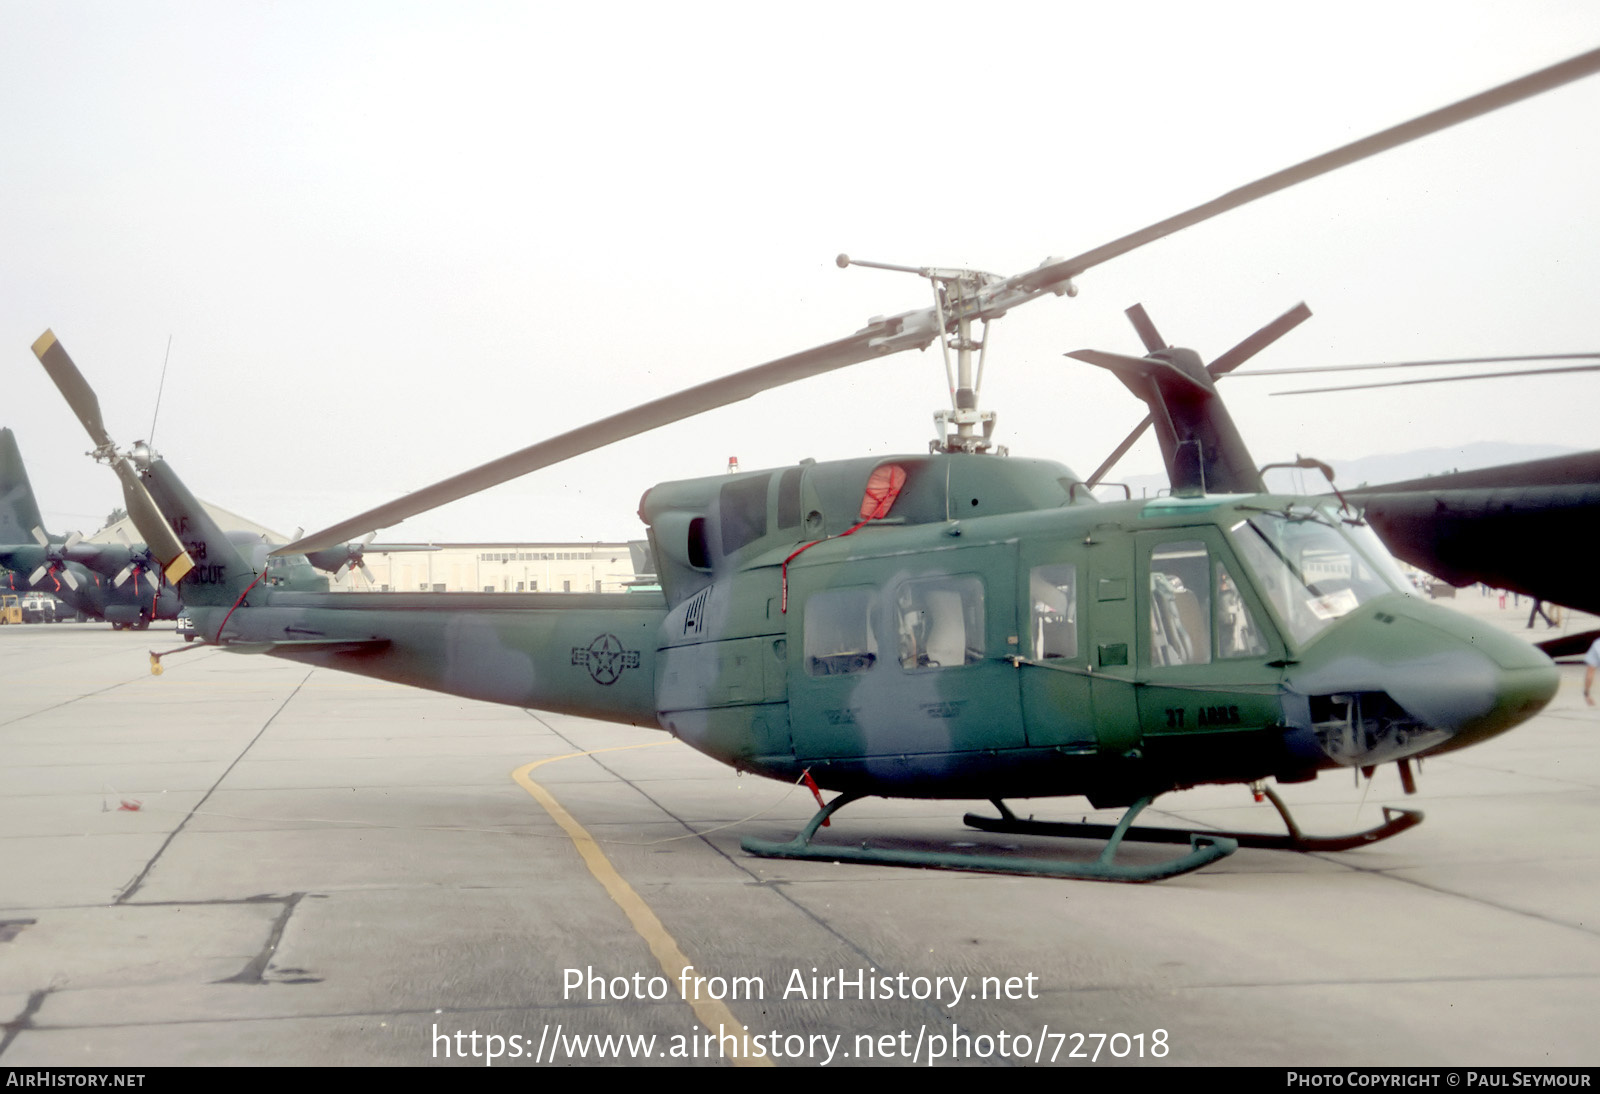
(66, 575)
(1223, 365)
(1147, 330)
(1259, 341)
(39, 574)
(40, 538)
(1120, 451)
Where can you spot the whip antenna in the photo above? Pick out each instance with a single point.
(159, 388)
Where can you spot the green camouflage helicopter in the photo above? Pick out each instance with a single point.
(956, 624)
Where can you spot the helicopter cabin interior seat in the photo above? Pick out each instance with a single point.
(940, 621)
(839, 637)
(1237, 633)
(1180, 604)
(1180, 630)
(933, 633)
(1051, 591)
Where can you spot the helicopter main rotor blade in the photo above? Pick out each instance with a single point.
(1444, 379)
(1546, 79)
(1423, 364)
(880, 338)
(70, 382)
(917, 329)
(159, 537)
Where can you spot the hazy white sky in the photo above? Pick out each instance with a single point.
(392, 241)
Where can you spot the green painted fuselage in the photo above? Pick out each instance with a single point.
(997, 635)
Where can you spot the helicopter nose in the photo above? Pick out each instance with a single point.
(1521, 679)
(1400, 677)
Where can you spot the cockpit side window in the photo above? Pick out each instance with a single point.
(1309, 569)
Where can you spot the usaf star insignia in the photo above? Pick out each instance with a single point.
(605, 658)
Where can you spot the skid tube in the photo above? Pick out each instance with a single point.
(1395, 821)
(1204, 849)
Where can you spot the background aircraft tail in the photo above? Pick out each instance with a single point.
(19, 512)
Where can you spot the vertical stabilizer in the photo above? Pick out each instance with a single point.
(1199, 442)
(221, 574)
(19, 512)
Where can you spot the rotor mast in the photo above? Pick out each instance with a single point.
(958, 299)
(960, 287)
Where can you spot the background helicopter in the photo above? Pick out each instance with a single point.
(1223, 640)
(122, 582)
(1509, 526)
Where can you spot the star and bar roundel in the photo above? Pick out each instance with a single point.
(605, 658)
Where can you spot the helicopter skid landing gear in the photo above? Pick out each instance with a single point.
(1203, 850)
(1395, 821)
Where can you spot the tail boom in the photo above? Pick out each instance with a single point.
(587, 655)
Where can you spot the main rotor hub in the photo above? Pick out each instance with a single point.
(958, 300)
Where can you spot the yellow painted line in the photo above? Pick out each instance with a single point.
(712, 1013)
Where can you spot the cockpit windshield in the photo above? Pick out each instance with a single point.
(1314, 568)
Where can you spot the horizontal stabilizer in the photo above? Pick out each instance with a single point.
(1130, 369)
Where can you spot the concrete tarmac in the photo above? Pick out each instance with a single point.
(244, 861)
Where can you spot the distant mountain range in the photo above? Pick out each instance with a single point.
(1376, 470)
